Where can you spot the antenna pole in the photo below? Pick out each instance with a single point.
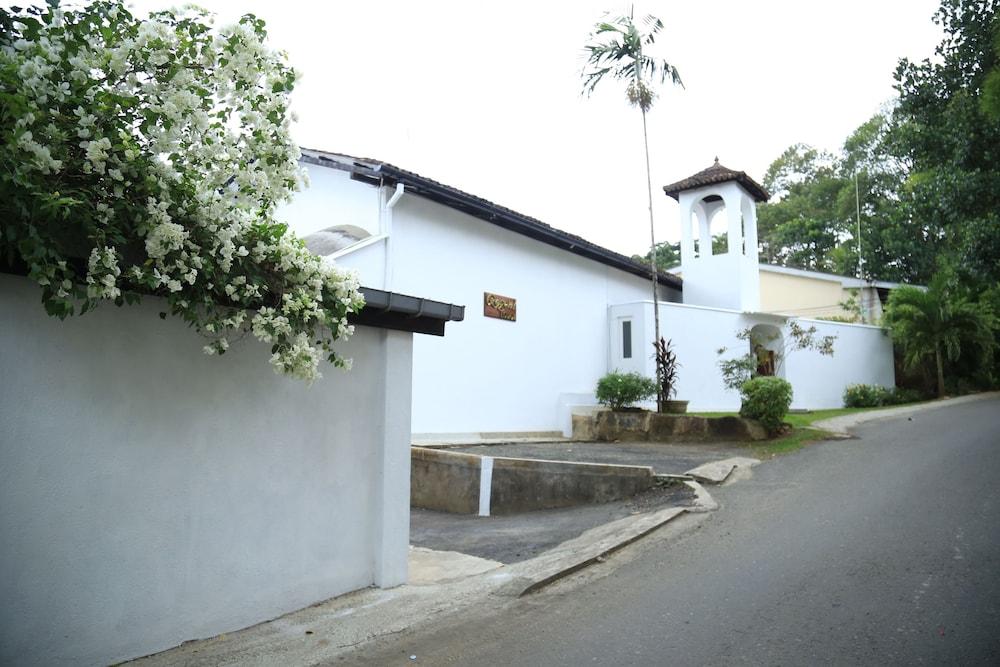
(857, 203)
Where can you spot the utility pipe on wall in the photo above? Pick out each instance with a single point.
(387, 230)
(400, 188)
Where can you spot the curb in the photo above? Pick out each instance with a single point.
(839, 425)
(719, 472)
(591, 547)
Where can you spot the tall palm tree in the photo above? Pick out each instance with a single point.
(936, 324)
(615, 49)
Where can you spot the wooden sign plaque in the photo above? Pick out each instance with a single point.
(500, 307)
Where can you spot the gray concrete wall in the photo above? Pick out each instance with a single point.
(150, 494)
(523, 485)
(444, 481)
(451, 482)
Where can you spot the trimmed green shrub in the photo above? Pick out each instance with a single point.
(621, 390)
(766, 399)
(866, 396)
(874, 396)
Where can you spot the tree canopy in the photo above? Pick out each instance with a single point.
(947, 131)
(927, 170)
(923, 176)
(937, 325)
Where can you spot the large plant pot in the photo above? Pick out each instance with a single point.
(675, 407)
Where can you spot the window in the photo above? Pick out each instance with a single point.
(626, 339)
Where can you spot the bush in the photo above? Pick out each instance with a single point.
(621, 390)
(874, 396)
(866, 396)
(766, 399)
(900, 395)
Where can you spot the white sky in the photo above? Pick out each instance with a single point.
(485, 96)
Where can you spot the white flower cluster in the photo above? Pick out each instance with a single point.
(103, 273)
(176, 138)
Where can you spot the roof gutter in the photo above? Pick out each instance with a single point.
(389, 310)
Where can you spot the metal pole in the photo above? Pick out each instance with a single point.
(861, 292)
(857, 202)
(652, 266)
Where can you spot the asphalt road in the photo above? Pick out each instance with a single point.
(880, 550)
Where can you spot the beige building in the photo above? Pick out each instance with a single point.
(814, 294)
(818, 295)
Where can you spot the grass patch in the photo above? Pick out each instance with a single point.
(802, 432)
(793, 441)
(803, 419)
(799, 419)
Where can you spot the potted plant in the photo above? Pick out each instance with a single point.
(666, 367)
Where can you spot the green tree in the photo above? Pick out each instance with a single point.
(616, 49)
(894, 246)
(945, 129)
(668, 256)
(803, 227)
(813, 223)
(990, 100)
(937, 325)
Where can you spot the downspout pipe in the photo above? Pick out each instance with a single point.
(387, 217)
(400, 188)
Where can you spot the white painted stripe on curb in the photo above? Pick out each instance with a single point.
(485, 485)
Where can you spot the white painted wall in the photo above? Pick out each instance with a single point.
(150, 494)
(490, 375)
(862, 354)
(729, 280)
(330, 199)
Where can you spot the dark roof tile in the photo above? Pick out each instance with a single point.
(717, 174)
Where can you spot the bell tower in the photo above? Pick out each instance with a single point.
(729, 278)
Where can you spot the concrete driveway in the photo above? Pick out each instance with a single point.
(518, 537)
(513, 538)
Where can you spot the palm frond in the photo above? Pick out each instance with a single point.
(615, 49)
(654, 25)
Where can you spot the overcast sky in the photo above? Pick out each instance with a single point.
(485, 96)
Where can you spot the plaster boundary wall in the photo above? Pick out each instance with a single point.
(453, 482)
(150, 495)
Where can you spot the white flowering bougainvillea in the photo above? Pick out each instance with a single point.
(147, 157)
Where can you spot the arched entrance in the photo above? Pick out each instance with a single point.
(766, 346)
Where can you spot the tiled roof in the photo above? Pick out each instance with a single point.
(367, 169)
(717, 174)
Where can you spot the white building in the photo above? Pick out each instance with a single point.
(574, 310)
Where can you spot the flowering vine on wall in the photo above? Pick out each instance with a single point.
(148, 157)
